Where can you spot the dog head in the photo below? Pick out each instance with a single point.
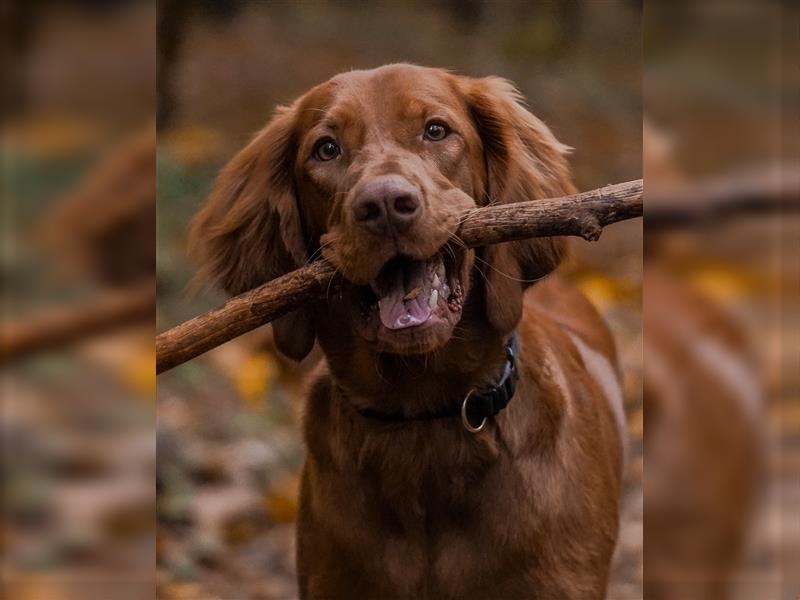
(373, 170)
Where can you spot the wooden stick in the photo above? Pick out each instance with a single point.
(583, 215)
(762, 191)
(61, 326)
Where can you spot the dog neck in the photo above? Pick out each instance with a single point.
(409, 385)
(433, 460)
(479, 404)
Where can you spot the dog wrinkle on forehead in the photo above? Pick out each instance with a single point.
(393, 95)
(414, 105)
(333, 117)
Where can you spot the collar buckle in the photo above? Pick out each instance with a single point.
(465, 417)
(483, 403)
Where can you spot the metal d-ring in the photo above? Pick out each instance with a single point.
(465, 420)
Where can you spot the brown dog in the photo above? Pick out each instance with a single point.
(405, 494)
(704, 413)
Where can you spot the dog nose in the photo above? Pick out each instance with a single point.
(387, 202)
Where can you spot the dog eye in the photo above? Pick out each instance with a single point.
(436, 131)
(326, 150)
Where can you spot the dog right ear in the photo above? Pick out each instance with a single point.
(524, 161)
(250, 231)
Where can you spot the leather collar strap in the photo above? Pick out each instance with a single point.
(477, 406)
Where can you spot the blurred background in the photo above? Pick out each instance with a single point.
(78, 292)
(229, 452)
(720, 300)
(84, 242)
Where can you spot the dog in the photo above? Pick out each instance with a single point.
(464, 430)
(704, 450)
(704, 412)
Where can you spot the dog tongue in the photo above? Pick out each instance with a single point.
(405, 296)
(397, 313)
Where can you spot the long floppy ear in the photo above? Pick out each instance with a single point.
(250, 231)
(524, 161)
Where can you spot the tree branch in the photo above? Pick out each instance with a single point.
(583, 215)
(63, 325)
(762, 191)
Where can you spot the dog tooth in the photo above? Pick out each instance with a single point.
(436, 282)
(433, 299)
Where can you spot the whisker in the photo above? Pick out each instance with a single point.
(318, 251)
(456, 240)
(482, 274)
(330, 283)
(450, 251)
(491, 266)
(469, 213)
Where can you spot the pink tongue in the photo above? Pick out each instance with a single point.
(397, 313)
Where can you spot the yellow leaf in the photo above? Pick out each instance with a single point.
(727, 282)
(281, 500)
(140, 372)
(53, 136)
(604, 291)
(192, 145)
(253, 377)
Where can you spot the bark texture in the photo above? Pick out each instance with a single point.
(583, 215)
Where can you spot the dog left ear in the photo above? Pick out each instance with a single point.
(250, 230)
(524, 161)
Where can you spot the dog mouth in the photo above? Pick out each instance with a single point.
(410, 299)
(411, 292)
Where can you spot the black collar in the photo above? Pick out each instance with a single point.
(477, 406)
